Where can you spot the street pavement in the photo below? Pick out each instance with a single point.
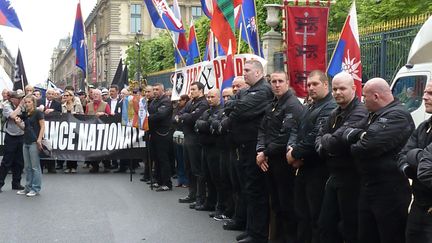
(105, 208)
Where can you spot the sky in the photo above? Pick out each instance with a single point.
(44, 23)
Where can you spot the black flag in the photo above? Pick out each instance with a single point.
(124, 78)
(117, 76)
(20, 78)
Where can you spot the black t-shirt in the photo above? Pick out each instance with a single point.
(32, 127)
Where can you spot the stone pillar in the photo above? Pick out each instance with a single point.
(272, 40)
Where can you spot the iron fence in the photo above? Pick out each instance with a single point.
(382, 54)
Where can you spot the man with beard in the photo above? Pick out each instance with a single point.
(160, 111)
(338, 218)
(312, 173)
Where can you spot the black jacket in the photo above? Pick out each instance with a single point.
(313, 118)
(160, 111)
(207, 135)
(386, 132)
(248, 110)
(189, 115)
(55, 105)
(118, 108)
(412, 153)
(331, 146)
(282, 116)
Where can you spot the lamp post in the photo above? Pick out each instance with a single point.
(138, 45)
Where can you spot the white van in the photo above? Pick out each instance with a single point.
(410, 81)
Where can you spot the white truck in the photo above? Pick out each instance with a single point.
(411, 79)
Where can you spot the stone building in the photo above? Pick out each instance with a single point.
(111, 27)
(7, 61)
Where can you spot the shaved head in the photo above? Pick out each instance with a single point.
(377, 94)
(213, 97)
(343, 89)
(345, 77)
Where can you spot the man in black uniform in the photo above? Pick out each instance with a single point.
(245, 118)
(192, 148)
(282, 117)
(211, 155)
(312, 172)
(160, 111)
(419, 224)
(238, 221)
(340, 201)
(384, 192)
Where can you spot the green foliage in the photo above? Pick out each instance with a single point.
(372, 12)
(157, 54)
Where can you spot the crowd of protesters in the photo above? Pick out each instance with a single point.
(331, 169)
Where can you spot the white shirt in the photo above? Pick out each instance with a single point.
(113, 105)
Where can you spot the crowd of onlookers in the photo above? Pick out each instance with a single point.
(333, 168)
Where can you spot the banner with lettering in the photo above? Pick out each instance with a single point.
(307, 43)
(209, 73)
(87, 138)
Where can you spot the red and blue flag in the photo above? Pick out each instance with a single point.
(180, 38)
(78, 41)
(228, 71)
(162, 16)
(207, 7)
(8, 16)
(247, 18)
(346, 57)
(192, 44)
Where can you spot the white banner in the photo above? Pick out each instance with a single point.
(209, 73)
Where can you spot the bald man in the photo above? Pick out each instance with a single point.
(238, 84)
(384, 191)
(209, 140)
(227, 93)
(340, 201)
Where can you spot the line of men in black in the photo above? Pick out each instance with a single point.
(328, 170)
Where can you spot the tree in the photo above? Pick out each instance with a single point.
(157, 54)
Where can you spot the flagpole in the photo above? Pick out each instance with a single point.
(239, 39)
(196, 37)
(256, 21)
(337, 43)
(216, 42)
(172, 38)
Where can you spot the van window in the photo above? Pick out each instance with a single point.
(409, 91)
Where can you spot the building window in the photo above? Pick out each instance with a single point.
(135, 18)
(196, 12)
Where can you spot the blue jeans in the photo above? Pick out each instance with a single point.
(182, 178)
(32, 167)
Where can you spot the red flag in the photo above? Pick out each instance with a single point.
(222, 24)
(307, 44)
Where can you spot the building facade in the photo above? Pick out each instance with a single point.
(6, 59)
(111, 28)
